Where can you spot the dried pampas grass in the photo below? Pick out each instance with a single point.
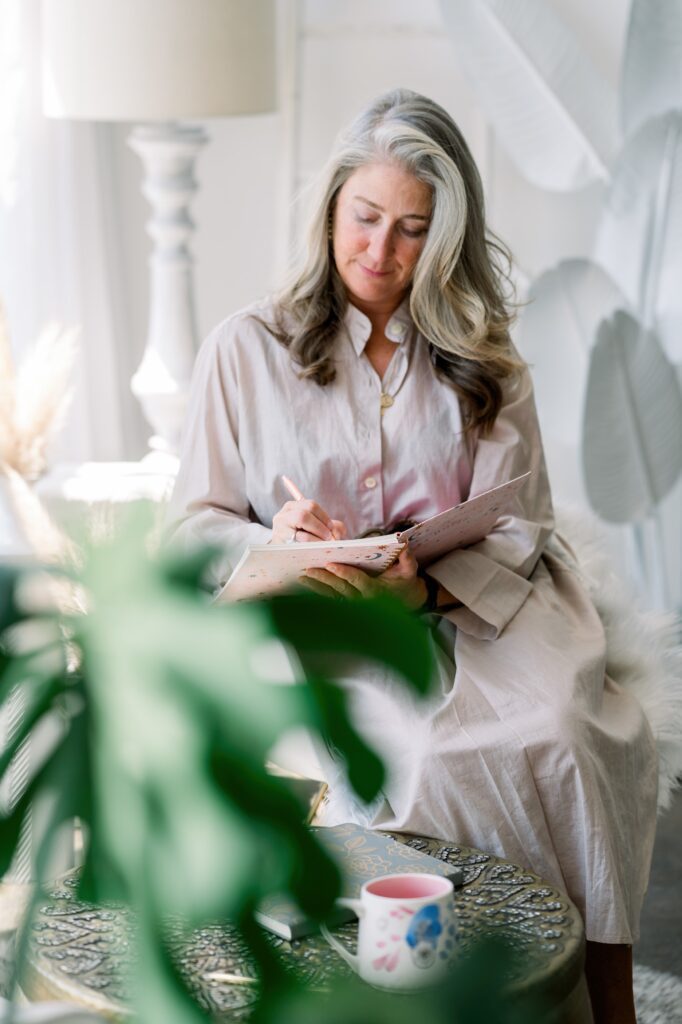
(41, 543)
(43, 538)
(34, 399)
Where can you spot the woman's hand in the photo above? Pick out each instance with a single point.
(304, 521)
(350, 581)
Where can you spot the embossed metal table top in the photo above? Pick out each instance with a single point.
(82, 953)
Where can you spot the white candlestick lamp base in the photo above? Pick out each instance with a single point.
(161, 382)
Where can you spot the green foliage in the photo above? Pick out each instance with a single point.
(476, 992)
(166, 727)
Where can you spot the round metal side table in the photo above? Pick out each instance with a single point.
(83, 953)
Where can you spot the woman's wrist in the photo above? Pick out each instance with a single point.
(438, 600)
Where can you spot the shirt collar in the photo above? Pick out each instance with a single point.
(398, 329)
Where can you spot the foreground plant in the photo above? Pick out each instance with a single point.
(475, 992)
(166, 727)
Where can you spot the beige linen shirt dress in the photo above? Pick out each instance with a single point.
(526, 749)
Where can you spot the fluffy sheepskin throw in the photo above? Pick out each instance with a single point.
(643, 649)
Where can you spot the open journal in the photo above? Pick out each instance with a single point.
(266, 569)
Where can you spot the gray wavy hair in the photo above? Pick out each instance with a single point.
(460, 296)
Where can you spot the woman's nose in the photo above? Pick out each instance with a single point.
(381, 244)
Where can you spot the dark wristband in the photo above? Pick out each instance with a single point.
(432, 589)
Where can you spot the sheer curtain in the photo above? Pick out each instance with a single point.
(59, 246)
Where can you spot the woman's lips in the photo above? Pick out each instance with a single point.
(374, 273)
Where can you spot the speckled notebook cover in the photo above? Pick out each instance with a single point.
(268, 568)
(362, 854)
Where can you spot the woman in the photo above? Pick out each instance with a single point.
(383, 381)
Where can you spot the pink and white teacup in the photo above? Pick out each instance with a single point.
(407, 932)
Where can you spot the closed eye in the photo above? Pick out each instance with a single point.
(416, 233)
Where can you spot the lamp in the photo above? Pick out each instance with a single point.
(160, 62)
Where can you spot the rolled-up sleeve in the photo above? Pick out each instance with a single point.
(209, 503)
(491, 578)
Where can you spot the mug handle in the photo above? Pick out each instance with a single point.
(350, 958)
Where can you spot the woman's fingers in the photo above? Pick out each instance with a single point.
(314, 521)
(317, 587)
(405, 568)
(339, 529)
(308, 519)
(336, 581)
(351, 580)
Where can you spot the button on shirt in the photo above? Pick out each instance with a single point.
(372, 452)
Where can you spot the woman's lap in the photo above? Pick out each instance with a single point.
(527, 751)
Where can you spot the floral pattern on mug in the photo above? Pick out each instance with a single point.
(422, 935)
(388, 961)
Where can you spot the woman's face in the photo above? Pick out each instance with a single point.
(380, 223)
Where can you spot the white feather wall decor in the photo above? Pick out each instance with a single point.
(555, 114)
(557, 329)
(652, 67)
(632, 431)
(639, 240)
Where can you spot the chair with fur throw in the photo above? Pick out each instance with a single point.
(644, 650)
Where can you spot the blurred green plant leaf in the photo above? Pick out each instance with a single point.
(167, 721)
(381, 629)
(476, 992)
(9, 610)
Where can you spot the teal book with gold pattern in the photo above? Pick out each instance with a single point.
(362, 854)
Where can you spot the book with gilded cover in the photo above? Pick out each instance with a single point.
(362, 854)
(309, 792)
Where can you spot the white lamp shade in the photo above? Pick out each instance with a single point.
(158, 60)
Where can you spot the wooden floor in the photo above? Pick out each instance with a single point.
(660, 944)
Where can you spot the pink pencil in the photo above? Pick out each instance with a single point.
(292, 488)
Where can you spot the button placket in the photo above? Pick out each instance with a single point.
(370, 499)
